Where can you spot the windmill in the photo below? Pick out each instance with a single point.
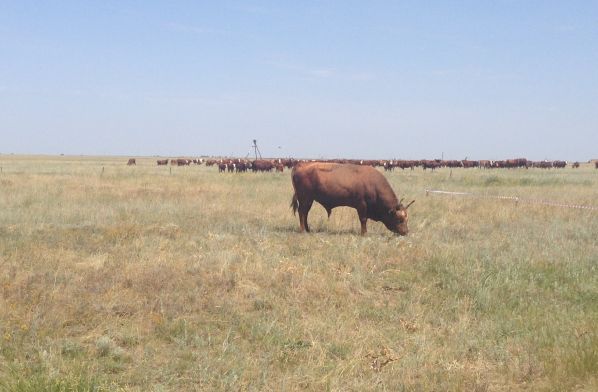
(256, 150)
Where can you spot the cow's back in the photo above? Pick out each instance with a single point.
(335, 184)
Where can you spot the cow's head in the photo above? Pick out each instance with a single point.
(398, 218)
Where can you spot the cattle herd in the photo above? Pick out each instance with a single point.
(352, 182)
(241, 165)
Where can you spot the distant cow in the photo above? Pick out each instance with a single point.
(131, 162)
(465, 163)
(575, 165)
(241, 167)
(183, 162)
(262, 165)
(389, 165)
(513, 163)
(162, 162)
(431, 165)
(361, 187)
(289, 163)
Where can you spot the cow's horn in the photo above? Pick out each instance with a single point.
(413, 201)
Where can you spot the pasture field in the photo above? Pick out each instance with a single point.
(157, 278)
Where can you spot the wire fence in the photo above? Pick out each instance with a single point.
(516, 199)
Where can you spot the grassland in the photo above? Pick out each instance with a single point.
(152, 278)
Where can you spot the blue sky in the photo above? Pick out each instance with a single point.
(376, 79)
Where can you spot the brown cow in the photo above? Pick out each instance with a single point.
(131, 162)
(162, 162)
(431, 164)
(262, 165)
(361, 187)
(241, 167)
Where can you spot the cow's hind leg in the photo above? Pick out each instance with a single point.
(362, 211)
(304, 207)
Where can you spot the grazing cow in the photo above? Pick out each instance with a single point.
(365, 162)
(486, 164)
(162, 162)
(183, 162)
(241, 167)
(359, 186)
(389, 165)
(452, 163)
(406, 164)
(431, 165)
(221, 167)
(467, 163)
(514, 163)
(131, 162)
(262, 165)
(289, 163)
(575, 165)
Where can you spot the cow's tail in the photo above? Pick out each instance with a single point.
(294, 203)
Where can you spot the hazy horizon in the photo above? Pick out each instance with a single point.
(316, 79)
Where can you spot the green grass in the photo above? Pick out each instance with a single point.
(152, 278)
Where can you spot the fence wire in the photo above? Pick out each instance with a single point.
(516, 199)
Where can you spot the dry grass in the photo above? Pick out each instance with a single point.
(133, 278)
